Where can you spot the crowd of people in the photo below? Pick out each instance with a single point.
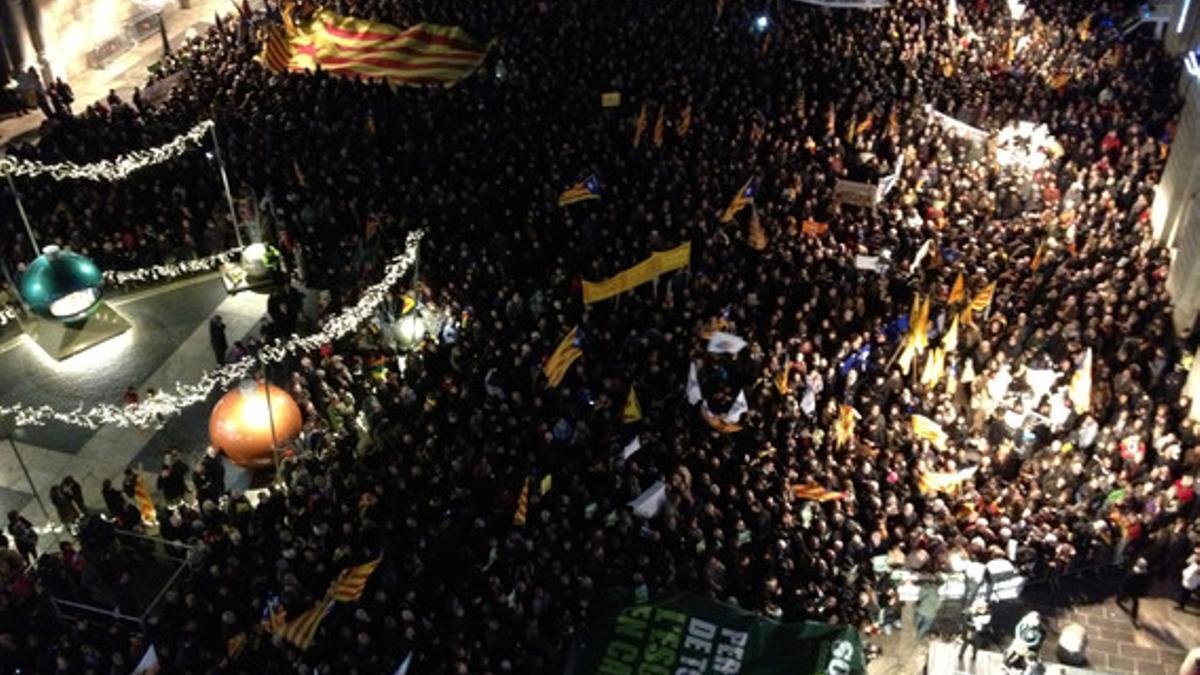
(424, 464)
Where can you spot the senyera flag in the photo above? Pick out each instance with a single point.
(685, 633)
(424, 53)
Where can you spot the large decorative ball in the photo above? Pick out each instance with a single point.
(62, 285)
(240, 425)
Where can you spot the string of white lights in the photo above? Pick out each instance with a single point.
(156, 410)
(166, 272)
(107, 169)
(170, 271)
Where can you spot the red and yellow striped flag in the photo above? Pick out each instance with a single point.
(639, 127)
(815, 493)
(782, 378)
(145, 505)
(931, 431)
(303, 628)
(1037, 256)
(865, 125)
(276, 49)
(522, 506)
(931, 482)
(351, 582)
(983, 298)
(758, 236)
(562, 358)
(424, 53)
(958, 292)
(843, 431)
(685, 121)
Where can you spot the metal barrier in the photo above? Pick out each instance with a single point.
(176, 557)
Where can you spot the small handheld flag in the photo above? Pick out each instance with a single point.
(633, 409)
(640, 127)
(522, 505)
(743, 198)
(588, 188)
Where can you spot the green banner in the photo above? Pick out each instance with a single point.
(685, 634)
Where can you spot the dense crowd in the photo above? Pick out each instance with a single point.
(424, 464)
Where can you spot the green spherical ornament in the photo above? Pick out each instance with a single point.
(62, 285)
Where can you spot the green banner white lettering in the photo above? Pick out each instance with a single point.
(684, 634)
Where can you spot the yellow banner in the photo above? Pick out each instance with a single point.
(649, 269)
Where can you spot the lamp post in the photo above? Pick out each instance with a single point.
(12, 186)
(271, 419)
(225, 180)
(9, 431)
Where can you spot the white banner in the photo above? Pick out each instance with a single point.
(868, 262)
(848, 4)
(960, 129)
(856, 193)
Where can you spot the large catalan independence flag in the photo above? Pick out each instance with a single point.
(425, 53)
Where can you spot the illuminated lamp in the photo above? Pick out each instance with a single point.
(409, 330)
(254, 259)
(62, 285)
(240, 424)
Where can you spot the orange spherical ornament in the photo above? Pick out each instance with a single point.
(240, 425)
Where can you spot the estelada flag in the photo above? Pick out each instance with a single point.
(425, 53)
(568, 350)
(815, 493)
(743, 198)
(350, 583)
(633, 409)
(588, 188)
(145, 505)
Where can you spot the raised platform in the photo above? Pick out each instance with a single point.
(943, 660)
(64, 340)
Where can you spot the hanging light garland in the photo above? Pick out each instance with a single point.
(107, 169)
(170, 271)
(166, 272)
(156, 410)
